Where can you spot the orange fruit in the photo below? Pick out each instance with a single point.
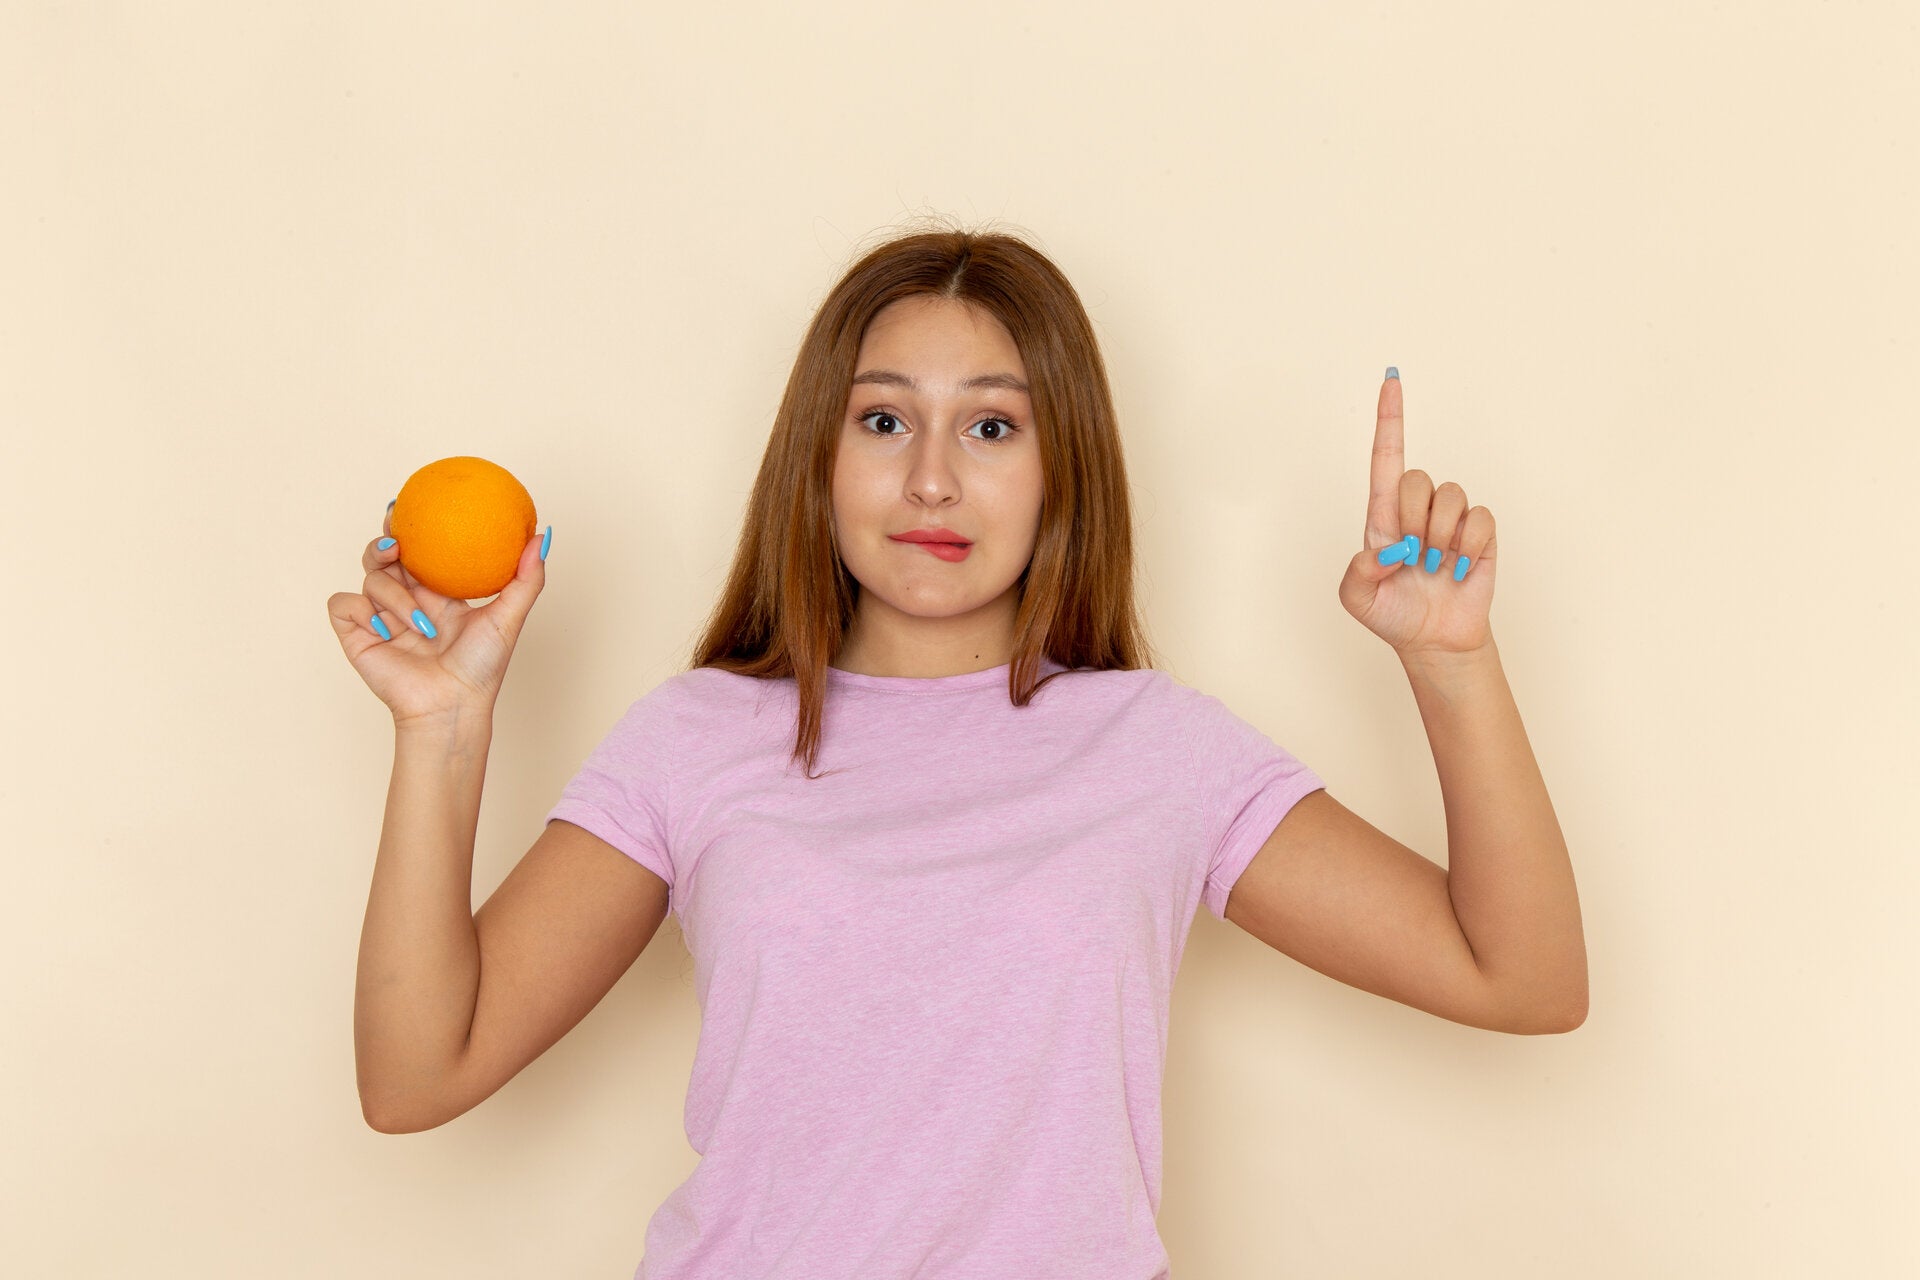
(462, 524)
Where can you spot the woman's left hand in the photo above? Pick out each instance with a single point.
(1419, 608)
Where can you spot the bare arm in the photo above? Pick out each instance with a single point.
(419, 969)
(451, 1004)
(1509, 874)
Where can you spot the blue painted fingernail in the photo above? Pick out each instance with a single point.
(1460, 568)
(1393, 554)
(1433, 559)
(1392, 372)
(384, 543)
(1413, 548)
(390, 502)
(423, 624)
(380, 628)
(546, 542)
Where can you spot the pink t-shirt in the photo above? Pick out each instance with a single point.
(934, 984)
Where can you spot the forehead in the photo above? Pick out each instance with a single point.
(935, 332)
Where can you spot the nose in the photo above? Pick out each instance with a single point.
(931, 476)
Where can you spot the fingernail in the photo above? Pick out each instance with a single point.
(1392, 372)
(390, 502)
(380, 628)
(1413, 548)
(1433, 559)
(546, 542)
(1460, 569)
(1397, 552)
(422, 624)
(384, 543)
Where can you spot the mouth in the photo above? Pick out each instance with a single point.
(948, 551)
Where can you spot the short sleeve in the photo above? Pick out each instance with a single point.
(620, 792)
(1248, 782)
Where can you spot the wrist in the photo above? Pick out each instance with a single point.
(467, 721)
(1444, 661)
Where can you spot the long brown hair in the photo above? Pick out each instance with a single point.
(789, 598)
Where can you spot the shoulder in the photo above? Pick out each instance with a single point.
(679, 696)
(1110, 681)
(698, 691)
(1191, 703)
(1213, 731)
(710, 696)
(684, 708)
(1169, 695)
(1100, 691)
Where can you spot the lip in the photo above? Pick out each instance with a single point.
(953, 553)
(931, 535)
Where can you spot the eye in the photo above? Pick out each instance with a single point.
(1007, 427)
(883, 417)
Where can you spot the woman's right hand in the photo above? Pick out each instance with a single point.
(462, 665)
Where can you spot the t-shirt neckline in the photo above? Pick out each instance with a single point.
(837, 678)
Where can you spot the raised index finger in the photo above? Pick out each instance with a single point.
(1389, 463)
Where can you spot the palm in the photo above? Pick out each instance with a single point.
(464, 661)
(412, 664)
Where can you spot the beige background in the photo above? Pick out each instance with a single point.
(1648, 273)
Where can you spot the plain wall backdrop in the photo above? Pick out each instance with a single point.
(1648, 272)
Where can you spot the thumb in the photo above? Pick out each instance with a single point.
(1376, 563)
(516, 599)
(1365, 573)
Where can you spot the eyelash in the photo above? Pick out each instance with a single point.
(1013, 428)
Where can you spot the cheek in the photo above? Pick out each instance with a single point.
(857, 507)
(861, 488)
(846, 467)
(1020, 503)
(844, 482)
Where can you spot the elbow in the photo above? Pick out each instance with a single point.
(1575, 1009)
(1564, 1007)
(391, 1108)
(390, 1120)
(1565, 1024)
(1564, 1017)
(388, 1124)
(1546, 1018)
(377, 1110)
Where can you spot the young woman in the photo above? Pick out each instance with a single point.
(934, 829)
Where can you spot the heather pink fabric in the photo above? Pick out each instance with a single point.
(934, 983)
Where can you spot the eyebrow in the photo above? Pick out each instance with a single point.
(888, 377)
